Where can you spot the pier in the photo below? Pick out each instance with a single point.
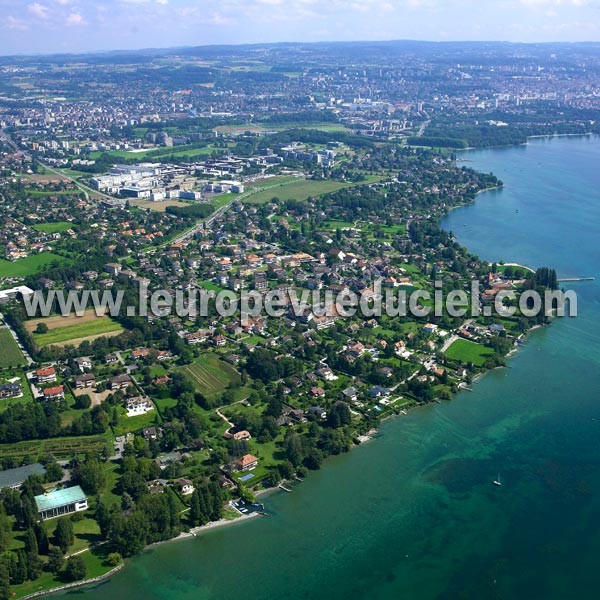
(575, 279)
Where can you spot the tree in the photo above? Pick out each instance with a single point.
(41, 536)
(34, 566)
(41, 328)
(5, 593)
(114, 559)
(31, 544)
(75, 569)
(91, 476)
(5, 528)
(20, 574)
(56, 559)
(54, 471)
(64, 534)
(84, 401)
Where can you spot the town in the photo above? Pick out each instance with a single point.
(290, 168)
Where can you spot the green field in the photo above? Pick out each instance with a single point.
(51, 193)
(210, 375)
(469, 352)
(11, 355)
(58, 227)
(30, 265)
(298, 189)
(70, 333)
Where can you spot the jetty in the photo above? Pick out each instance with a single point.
(575, 279)
(284, 488)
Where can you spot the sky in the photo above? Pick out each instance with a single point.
(48, 26)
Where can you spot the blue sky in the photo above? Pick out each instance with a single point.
(42, 26)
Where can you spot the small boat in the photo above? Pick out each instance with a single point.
(498, 482)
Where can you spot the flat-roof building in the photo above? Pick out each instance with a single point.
(14, 478)
(61, 502)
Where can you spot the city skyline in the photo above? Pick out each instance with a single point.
(72, 26)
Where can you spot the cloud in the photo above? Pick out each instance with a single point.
(75, 20)
(544, 3)
(14, 23)
(38, 10)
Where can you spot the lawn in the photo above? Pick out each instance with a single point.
(75, 333)
(58, 227)
(469, 352)
(95, 562)
(30, 265)
(26, 397)
(11, 355)
(136, 423)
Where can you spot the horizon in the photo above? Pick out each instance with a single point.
(167, 49)
(48, 27)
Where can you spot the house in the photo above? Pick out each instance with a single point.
(429, 328)
(157, 486)
(10, 390)
(350, 394)
(61, 502)
(112, 268)
(185, 486)
(150, 433)
(377, 392)
(196, 338)
(317, 392)
(319, 412)
(327, 374)
(46, 375)
(87, 380)
(496, 328)
(247, 462)
(119, 382)
(219, 340)
(56, 392)
(138, 406)
(84, 363)
(111, 359)
(139, 353)
(242, 435)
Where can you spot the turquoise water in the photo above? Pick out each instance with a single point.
(414, 514)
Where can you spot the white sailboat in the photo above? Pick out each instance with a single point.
(497, 481)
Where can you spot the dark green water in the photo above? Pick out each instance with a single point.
(414, 514)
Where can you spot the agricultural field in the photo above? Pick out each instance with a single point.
(210, 375)
(30, 265)
(58, 227)
(62, 448)
(157, 206)
(11, 355)
(73, 329)
(469, 352)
